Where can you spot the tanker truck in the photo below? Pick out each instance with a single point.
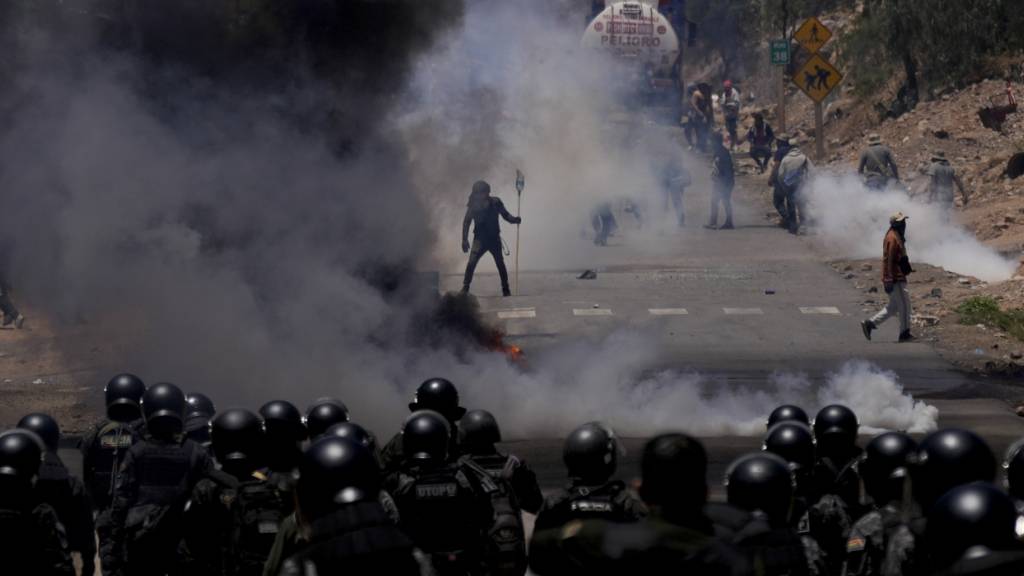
(644, 36)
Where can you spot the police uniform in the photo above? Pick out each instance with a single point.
(358, 539)
(155, 482)
(767, 550)
(517, 473)
(66, 495)
(446, 513)
(232, 523)
(103, 449)
(880, 544)
(32, 541)
(651, 546)
(610, 501)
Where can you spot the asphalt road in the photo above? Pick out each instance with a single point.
(737, 305)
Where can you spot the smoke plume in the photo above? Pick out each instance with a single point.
(852, 220)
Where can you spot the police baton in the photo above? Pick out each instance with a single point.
(520, 184)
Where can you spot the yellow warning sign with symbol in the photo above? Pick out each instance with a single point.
(817, 77)
(812, 35)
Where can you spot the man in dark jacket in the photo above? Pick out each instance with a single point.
(723, 178)
(895, 267)
(483, 211)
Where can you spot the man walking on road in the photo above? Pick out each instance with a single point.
(760, 137)
(731, 111)
(790, 178)
(483, 211)
(877, 166)
(895, 268)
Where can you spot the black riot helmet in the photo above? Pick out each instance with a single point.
(761, 482)
(334, 472)
(792, 441)
(237, 438)
(674, 475)
(122, 396)
(835, 429)
(439, 395)
(949, 458)
(282, 422)
(786, 413)
(323, 414)
(885, 466)
(425, 436)
(21, 454)
(591, 453)
(478, 432)
(354, 432)
(199, 405)
(44, 426)
(977, 518)
(163, 407)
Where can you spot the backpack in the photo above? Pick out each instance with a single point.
(257, 510)
(794, 178)
(506, 537)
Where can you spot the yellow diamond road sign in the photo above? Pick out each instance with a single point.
(817, 78)
(812, 35)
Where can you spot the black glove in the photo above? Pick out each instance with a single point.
(888, 287)
(465, 246)
(517, 220)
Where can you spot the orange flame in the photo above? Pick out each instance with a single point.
(511, 351)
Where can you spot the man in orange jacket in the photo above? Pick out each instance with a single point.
(895, 268)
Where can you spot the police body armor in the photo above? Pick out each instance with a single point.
(164, 476)
(112, 441)
(32, 541)
(506, 537)
(442, 511)
(258, 510)
(605, 502)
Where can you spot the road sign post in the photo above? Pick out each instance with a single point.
(817, 77)
(780, 58)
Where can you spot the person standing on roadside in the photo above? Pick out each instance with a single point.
(895, 268)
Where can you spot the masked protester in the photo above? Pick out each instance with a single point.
(895, 269)
(483, 211)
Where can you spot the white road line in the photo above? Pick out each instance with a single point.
(819, 310)
(743, 311)
(517, 313)
(668, 311)
(592, 312)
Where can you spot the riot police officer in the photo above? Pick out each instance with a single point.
(442, 507)
(885, 471)
(32, 540)
(973, 529)
(835, 503)
(349, 531)
(199, 411)
(284, 433)
(762, 485)
(478, 434)
(591, 455)
(1013, 473)
(786, 413)
(235, 512)
(323, 414)
(949, 458)
(438, 395)
(105, 445)
(793, 441)
(63, 492)
(156, 479)
(676, 538)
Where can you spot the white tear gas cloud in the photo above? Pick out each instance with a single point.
(851, 219)
(609, 379)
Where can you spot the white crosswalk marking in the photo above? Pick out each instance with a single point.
(517, 313)
(743, 311)
(668, 311)
(819, 310)
(592, 312)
